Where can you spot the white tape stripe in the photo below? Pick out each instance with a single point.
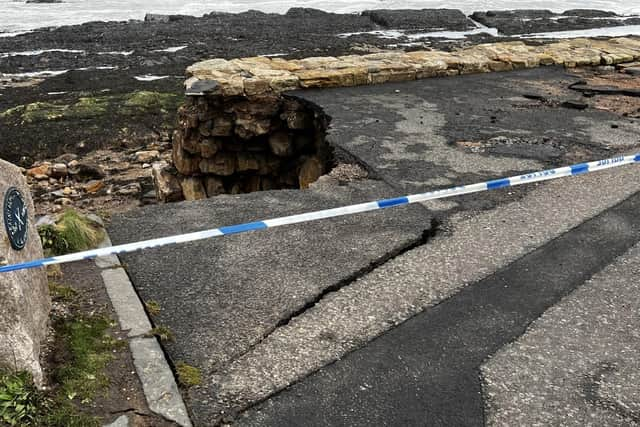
(539, 176)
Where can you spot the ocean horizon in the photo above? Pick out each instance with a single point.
(19, 16)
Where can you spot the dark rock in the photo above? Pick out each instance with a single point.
(87, 171)
(156, 17)
(576, 105)
(425, 19)
(512, 22)
(589, 13)
(634, 71)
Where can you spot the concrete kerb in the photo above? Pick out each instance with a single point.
(158, 383)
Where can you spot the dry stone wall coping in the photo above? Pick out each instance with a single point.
(259, 76)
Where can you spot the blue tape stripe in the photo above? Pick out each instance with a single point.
(579, 168)
(636, 158)
(241, 228)
(498, 183)
(25, 265)
(387, 203)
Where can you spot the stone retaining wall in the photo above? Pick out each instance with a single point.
(241, 144)
(239, 133)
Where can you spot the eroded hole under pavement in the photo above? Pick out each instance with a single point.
(233, 145)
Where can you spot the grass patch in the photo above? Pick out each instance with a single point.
(72, 232)
(188, 376)
(162, 333)
(89, 347)
(62, 293)
(153, 307)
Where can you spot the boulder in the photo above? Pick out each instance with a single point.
(24, 295)
(166, 184)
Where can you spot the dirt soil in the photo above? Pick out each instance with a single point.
(124, 394)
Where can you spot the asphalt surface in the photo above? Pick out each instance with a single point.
(236, 304)
(426, 371)
(415, 135)
(470, 248)
(220, 297)
(578, 364)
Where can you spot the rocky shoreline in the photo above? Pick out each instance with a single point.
(119, 84)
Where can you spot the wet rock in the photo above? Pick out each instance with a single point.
(86, 171)
(425, 19)
(512, 22)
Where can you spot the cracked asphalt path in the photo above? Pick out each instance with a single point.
(258, 312)
(427, 370)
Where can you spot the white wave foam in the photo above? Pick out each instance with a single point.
(18, 16)
(171, 49)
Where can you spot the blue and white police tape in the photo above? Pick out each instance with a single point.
(543, 175)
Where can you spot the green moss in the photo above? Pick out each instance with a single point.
(90, 349)
(188, 376)
(87, 107)
(72, 232)
(146, 101)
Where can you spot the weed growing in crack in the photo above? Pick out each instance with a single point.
(188, 376)
(162, 333)
(153, 307)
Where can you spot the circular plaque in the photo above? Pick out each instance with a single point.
(16, 218)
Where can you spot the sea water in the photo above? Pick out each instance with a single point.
(18, 16)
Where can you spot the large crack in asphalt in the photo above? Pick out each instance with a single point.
(427, 369)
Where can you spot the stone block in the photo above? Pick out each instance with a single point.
(258, 106)
(214, 186)
(311, 170)
(281, 144)
(24, 295)
(166, 184)
(187, 164)
(209, 147)
(247, 162)
(222, 126)
(257, 86)
(223, 164)
(248, 127)
(284, 83)
(193, 188)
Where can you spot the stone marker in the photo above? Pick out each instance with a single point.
(24, 295)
